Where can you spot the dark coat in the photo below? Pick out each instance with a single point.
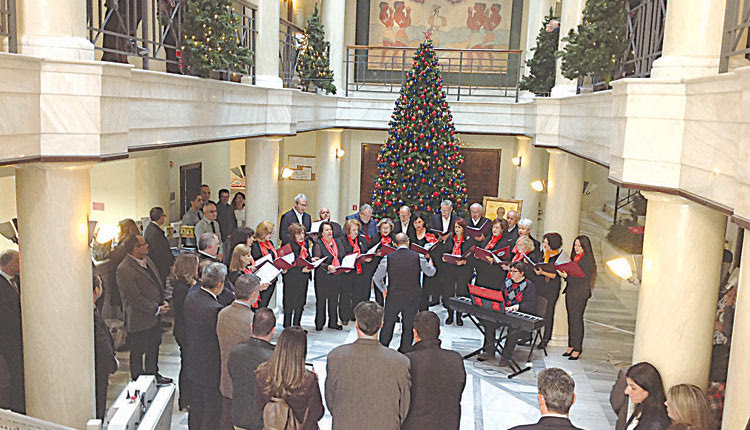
(105, 363)
(159, 251)
(549, 423)
(179, 293)
(226, 219)
(243, 361)
(320, 250)
(11, 347)
(409, 230)
(369, 228)
(288, 219)
(203, 354)
(484, 222)
(436, 222)
(306, 402)
(438, 378)
(141, 293)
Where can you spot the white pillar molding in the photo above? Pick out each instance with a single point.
(682, 250)
(262, 180)
(328, 176)
(570, 16)
(736, 407)
(533, 167)
(53, 29)
(333, 18)
(56, 269)
(538, 10)
(692, 39)
(267, 48)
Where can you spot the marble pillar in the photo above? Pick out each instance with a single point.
(332, 17)
(692, 39)
(563, 215)
(538, 9)
(53, 29)
(267, 45)
(736, 407)
(56, 291)
(328, 175)
(533, 167)
(682, 251)
(262, 181)
(570, 16)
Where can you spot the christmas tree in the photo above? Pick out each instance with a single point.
(598, 43)
(313, 66)
(210, 38)
(419, 165)
(541, 76)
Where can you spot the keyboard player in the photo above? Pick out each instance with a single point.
(519, 294)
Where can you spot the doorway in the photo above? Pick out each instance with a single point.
(190, 184)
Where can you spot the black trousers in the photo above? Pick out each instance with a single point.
(101, 383)
(327, 292)
(511, 340)
(146, 343)
(346, 307)
(183, 381)
(265, 295)
(407, 307)
(205, 408)
(576, 306)
(551, 293)
(361, 289)
(490, 337)
(295, 296)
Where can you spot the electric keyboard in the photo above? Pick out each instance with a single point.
(516, 320)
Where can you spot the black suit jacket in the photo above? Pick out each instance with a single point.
(158, 250)
(11, 345)
(549, 423)
(409, 230)
(203, 353)
(104, 350)
(243, 361)
(436, 222)
(288, 219)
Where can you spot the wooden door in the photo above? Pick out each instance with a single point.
(369, 171)
(190, 184)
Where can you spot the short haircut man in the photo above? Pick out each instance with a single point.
(369, 316)
(264, 321)
(207, 241)
(300, 198)
(156, 213)
(365, 209)
(213, 275)
(246, 286)
(427, 325)
(556, 396)
(447, 203)
(11, 347)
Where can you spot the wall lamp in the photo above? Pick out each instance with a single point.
(539, 185)
(286, 173)
(516, 161)
(622, 267)
(340, 153)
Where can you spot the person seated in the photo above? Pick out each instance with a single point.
(556, 396)
(519, 294)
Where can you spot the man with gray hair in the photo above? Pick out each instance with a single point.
(295, 214)
(203, 353)
(208, 247)
(364, 216)
(11, 341)
(443, 222)
(234, 327)
(512, 217)
(478, 222)
(556, 396)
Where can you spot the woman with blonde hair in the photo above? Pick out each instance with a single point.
(284, 376)
(261, 247)
(688, 408)
(183, 276)
(241, 262)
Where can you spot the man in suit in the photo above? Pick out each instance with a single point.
(209, 225)
(206, 193)
(233, 327)
(443, 222)
(556, 396)
(105, 362)
(369, 224)
(208, 248)
(478, 221)
(143, 297)
(203, 353)
(404, 223)
(402, 267)
(438, 378)
(243, 360)
(512, 217)
(11, 341)
(192, 216)
(324, 214)
(367, 385)
(225, 215)
(295, 214)
(158, 245)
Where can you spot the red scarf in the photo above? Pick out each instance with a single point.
(577, 258)
(493, 241)
(517, 256)
(355, 248)
(457, 241)
(386, 240)
(333, 249)
(302, 250)
(431, 238)
(266, 247)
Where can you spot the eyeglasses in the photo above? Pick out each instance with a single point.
(515, 271)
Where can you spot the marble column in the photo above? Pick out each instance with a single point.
(538, 9)
(533, 167)
(692, 39)
(56, 292)
(563, 215)
(53, 29)
(570, 16)
(736, 407)
(267, 45)
(328, 172)
(262, 180)
(682, 250)
(333, 16)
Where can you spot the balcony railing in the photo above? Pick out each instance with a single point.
(465, 72)
(8, 25)
(289, 43)
(736, 39)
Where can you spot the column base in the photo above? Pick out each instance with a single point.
(268, 81)
(68, 48)
(685, 67)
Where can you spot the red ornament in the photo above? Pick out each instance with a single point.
(423, 181)
(378, 203)
(429, 209)
(464, 190)
(440, 168)
(393, 164)
(435, 194)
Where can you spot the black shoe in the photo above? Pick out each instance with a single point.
(459, 321)
(449, 320)
(318, 328)
(575, 357)
(335, 327)
(162, 380)
(542, 345)
(485, 357)
(567, 354)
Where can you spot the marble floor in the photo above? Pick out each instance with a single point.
(490, 400)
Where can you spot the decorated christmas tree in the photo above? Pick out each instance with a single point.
(541, 76)
(598, 43)
(210, 38)
(313, 66)
(419, 165)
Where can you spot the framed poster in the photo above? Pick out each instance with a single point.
(491, 204)
(303, 166)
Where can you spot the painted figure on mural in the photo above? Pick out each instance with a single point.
(386, 18)
(402, 18)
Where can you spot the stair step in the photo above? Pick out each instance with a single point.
(609, 207)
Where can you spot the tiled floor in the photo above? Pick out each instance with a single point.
(491, 401)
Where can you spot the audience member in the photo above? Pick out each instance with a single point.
(208, 247)
(295, 214)
(688, 406)
(243, 361)
(262, 246)
(238, 205)
(368, 223)
(402, 268)
(556, 396)
(233, 327)
(438, 378)
(11, 337)
(183, 276)
(385, 236)
(204, 356)
(225, 216)
(356, 284)
(192, 216)
(367, 385)
(105, 362)
(646, 390)
(209, 225)
(283, 378)
(206, 193)
(143, 297)
(158, 245)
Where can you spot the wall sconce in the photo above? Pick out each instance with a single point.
(621, 267)
(340, 153)
(539, 185)
(9, 230)
(286, 173)
(516, 161)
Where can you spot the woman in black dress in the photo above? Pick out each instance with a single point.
(491, 274)
(457, 276)
(183, 276)
(548, 283)
(356, 285)
(263, 246)
(384, 236)
(296, 278)
(577, 293)
(327, 284)
(422, 238)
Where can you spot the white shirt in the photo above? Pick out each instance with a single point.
(446, 223)
(404, 227)
(7, 277)
(209, 292)
(143, 263)
(299, 215)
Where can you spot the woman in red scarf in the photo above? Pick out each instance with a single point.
(577, 293)
(356, 287)
(457, 276)
(296, 278)
(261, 247)
(384, 236)
(327, 285)
(490, 274)
(548, 282)
(430, 285)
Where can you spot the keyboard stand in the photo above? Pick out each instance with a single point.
(512, 363)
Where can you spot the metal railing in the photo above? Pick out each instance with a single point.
(736, 24)
(620, 202)
(247, 31)
(290, 36)
(8, 25)
(465, 72)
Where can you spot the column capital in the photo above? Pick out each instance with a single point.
(332, 130)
